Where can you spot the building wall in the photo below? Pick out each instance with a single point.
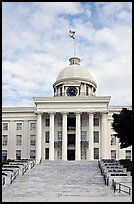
(27, 116)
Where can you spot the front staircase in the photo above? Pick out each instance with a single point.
(60, 181)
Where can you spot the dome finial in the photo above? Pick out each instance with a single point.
(74, 60)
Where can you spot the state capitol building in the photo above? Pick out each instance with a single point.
(74, 124)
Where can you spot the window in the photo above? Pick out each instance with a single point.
(96, 153)
(83, 121)
(113, 154)
(96, 136)
(47, 122)
(18, 154)
(128, 154)
(32, 140)
(4, 141)
(18, 139)
(32, 126)
(86, 90)
(59, 122)
(59, 154)
(5, 126)
(113, 140)
(32, 154)
(47, 137)
(46, 153)
(83, 154)
(61, 91)
(96, 121)
(83, 135)
(4, 155)
(59, 135)
(19, 126)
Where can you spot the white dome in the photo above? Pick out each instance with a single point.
(73, 72)
(74, 75)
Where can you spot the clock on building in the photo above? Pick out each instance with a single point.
(72, 91)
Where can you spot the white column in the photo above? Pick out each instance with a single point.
(104, 146)
(63, 90)
(38, 137)
(51, 147)
(64, 136)
(77, 139)
(91, 148)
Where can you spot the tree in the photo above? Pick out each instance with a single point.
(122, 125)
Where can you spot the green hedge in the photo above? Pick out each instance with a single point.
(126, 164)
(7, 161)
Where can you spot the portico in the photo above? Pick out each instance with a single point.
(77, 134)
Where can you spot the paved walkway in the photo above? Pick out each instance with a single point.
(62, 181)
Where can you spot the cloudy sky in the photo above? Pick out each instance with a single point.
(36, 46)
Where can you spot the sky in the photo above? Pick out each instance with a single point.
(36, 46)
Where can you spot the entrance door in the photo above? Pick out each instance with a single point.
(70, 154)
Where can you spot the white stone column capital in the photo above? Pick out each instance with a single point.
(52, 113)
(78, 113)
(104, 112)
(38, 113)
(91, 112)
(64, 113)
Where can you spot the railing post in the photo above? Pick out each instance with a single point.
(129, 191)
(107, 180)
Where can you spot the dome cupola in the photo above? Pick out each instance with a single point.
(74, 80)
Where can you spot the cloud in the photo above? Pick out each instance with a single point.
(36, 47)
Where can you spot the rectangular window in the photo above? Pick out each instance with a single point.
(59, 122)
(47, 122)
(59, 135)
(5, 139)
(96, 121)
(18, 126)
(83, 122)
(32, 126)
(113, 154)
(61, 91)
(96, 136)
(47, 137)
(46, 153)
(128, 154)
(83, 154)
(4, 155)
(83, 135)
(32, 154)
(59, 154)
(18, 154)
(113, 140)
(18, 139)
(5, 126)
(96, 153)
(32, 140)
(86, 90)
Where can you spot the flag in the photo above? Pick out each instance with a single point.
(72, 34)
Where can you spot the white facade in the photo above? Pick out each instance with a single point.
(74, 124)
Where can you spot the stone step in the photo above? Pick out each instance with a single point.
(54, 179)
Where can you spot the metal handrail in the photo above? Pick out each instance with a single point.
(114, 184)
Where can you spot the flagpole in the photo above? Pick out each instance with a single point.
(72, 35)
(74, 47)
